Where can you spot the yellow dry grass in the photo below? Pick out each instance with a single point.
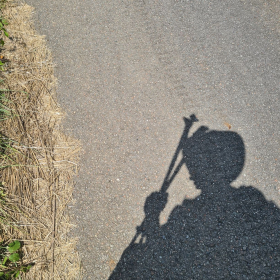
(39, 182)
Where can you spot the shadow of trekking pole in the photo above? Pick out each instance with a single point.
(162, 197)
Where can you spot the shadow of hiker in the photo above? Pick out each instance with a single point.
(224, 233)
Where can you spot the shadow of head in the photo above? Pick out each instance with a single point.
(213, 157)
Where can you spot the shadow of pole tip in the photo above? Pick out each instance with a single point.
(191, 119)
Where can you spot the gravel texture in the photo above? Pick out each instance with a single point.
(128, 72)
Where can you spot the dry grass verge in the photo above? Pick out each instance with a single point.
(40, 164)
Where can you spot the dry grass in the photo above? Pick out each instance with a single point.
(39, 179)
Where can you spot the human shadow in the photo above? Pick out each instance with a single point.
(224, 233)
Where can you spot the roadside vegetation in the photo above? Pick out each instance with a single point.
(37, 161)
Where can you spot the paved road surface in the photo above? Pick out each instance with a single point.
(128, 72)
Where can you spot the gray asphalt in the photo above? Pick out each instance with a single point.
(128, 72)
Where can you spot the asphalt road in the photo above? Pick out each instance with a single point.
(128, 72)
